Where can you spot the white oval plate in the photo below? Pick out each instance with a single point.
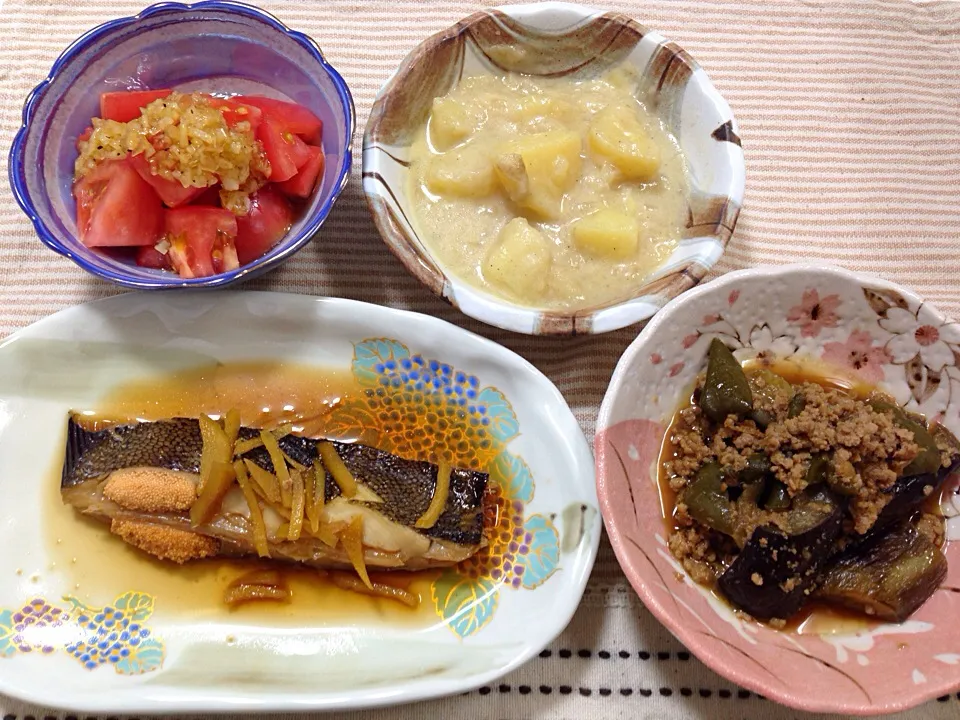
(484, 627)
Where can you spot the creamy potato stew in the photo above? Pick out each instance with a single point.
(554, 193)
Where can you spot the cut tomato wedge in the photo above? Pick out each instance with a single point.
(201, 240)
(116, 207)
(172, 193)
(210, 196)
(285, 152)
(299, 150)
(235, 112)
(268, 220)
(126, 105)
(303, 183)
(292, 117)
(149, 257)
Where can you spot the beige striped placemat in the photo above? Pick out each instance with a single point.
(849, 118)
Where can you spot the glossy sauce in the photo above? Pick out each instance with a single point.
(99, 566)
(815, 618)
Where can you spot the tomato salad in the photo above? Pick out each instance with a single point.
(194, 183)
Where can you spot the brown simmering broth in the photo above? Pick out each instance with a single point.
(815, 618)
(99, 565)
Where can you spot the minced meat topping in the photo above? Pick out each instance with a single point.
(868, 450)
(788, 492)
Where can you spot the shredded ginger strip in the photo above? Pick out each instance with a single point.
(439, 500)
(335, 466)
(256, 514)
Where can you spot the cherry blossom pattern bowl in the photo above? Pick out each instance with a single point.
(864, 328)
(556, 39)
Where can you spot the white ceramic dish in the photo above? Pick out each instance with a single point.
(482, 627)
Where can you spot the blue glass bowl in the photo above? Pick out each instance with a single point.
(210, 46)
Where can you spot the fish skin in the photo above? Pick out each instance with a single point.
(175, 445)
(405, 486)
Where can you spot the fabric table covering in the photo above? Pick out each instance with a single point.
(848, 113)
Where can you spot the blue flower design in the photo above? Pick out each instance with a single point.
(503, 421)
(147, 656)
(416, 405)
(138, 606)
(113, 634)
(411, 400)
(375, 358)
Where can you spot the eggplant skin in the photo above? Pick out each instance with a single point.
(775, 573)
(888, 578)
(906, 495)
(910, 492)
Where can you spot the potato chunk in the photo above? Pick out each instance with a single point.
(464, 172)
(451, 123)
(520, 260)
(608, 233)
(536, 170)
(531, 108)
(618, 136)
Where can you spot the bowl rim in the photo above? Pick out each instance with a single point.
(498, 311)
(638, 579)
(15, 159)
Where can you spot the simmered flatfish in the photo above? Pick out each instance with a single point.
(188, 488)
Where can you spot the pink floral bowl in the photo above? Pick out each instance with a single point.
(868, 329)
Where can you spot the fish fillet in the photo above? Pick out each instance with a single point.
(141, 478)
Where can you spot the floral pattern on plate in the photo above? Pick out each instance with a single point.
(858, 328)
(423, 408)
(115, 634)
(88, 350)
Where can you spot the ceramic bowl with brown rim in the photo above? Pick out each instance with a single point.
(551, 40)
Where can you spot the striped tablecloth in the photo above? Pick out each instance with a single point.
(848, 111)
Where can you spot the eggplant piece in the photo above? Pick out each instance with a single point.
(906, 495)
(777, 569)
(707, 501)
(909, 492)
(889, 578)
(725, 388)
